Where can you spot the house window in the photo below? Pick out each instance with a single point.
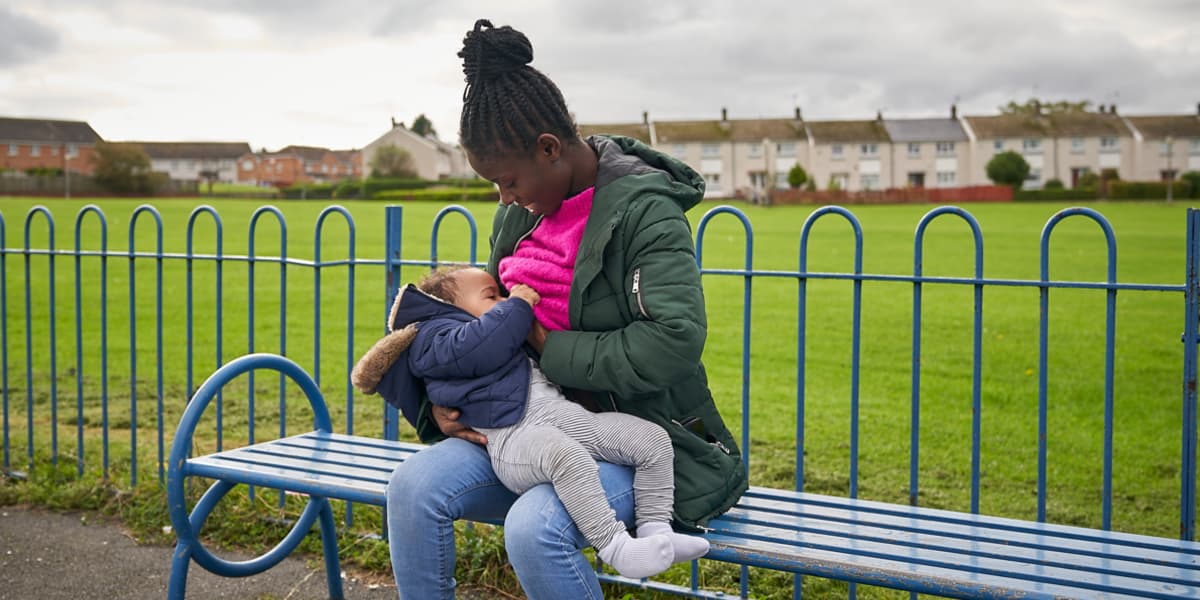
(868, 150)
(1163, 149)
(869, 182)
(946, 178)
(1195, 146)
(1035, 178)
(12, 149)
(53, 150)
(839, 181)
(72, 150)
(247, 165)
(945, 148)
(754, 150)
(1109, 144)
(712, 181)
(836, 151)
(998, 145)
(914, 150)
(1076, 145)
(279, 167)
(710, 151)
(1031, 146)
(679, 151)
(35, 150)
(781, 182)
(786, 149)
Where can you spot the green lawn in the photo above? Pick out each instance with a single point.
(1148, 356)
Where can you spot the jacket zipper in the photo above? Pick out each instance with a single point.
(637, 291)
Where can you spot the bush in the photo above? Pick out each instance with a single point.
(1088, 180)
(473, 194)
(1053, 184)
(1193, 180)
(309, 191)
(811, 186)
(1008, 168)
(1146, 190)
(797, 176)
(43, 172)
(125, 169)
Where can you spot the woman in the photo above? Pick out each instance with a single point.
(629, 298)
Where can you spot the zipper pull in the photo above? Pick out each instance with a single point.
(637, 279)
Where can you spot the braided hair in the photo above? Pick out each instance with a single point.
(507, 104)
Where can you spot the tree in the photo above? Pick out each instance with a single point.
(797, 176)
(1193, 180)
(392, 161)
(1053, 184)
(123, 169)
(210, 177)
(423, 126)
(1008, 168)
(1034, 107)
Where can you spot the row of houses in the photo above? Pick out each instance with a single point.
(736, 156)
(70, 147)
(751, 156)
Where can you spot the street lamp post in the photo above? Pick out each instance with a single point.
(1170, 172)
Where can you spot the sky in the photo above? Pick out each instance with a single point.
(334, 74)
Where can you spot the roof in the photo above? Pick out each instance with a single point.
(833, 132)
(1009, 126)
(755, 130)
(637, 131)
(925, 130)
(194, 150)
(47, 130)
(678, 132)
(1157, 127)
(307, 153)
(1088, 124)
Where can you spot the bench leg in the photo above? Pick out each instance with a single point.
(179, 571)
(333, 567)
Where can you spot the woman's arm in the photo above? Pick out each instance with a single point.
(664, 342)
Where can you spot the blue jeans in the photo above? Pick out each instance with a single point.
(453, 480)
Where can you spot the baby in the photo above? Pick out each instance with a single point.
(458, 336)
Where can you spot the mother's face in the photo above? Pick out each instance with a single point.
(537, 182)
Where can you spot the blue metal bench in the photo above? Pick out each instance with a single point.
(918, 549)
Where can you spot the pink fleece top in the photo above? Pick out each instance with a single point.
(545, 260)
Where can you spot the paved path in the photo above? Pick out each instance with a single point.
(48, 556)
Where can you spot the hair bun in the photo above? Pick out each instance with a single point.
(490, 51)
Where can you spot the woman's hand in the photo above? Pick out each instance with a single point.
(447, 421)
(537, 336)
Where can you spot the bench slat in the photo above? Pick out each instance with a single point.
(962, 537)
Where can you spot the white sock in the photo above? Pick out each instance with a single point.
(638, 557)
(687, 547)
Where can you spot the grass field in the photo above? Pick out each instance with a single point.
(1147, 369)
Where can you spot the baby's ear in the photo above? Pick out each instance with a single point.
(375, 363)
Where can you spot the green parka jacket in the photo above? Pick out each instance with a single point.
(638, 320)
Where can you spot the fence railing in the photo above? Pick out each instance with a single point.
(40, 315)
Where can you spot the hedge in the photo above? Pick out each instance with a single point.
(1146, 190)
(470, 194)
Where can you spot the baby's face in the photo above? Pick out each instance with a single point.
(476, 291)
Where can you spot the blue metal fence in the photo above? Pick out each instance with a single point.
(393, 261)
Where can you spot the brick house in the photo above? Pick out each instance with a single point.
(298, 164)
(47, 143)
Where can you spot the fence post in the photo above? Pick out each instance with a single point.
(394, 217)
(1191, 336)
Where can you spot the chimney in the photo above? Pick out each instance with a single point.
(393, 122)
(1198, 109)
(799, 119)
(1112, 109)
(1103, 109)
(724, 114)
(879, 115)
(645, 117)
(954, 112)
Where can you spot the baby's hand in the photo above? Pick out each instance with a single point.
(525, 293)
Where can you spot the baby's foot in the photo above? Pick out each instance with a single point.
(638, 557)
(686, 547)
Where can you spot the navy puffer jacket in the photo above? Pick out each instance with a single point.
(478, 366)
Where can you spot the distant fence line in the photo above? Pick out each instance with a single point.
(77, 185)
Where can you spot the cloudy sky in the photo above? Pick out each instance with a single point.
(325, 73)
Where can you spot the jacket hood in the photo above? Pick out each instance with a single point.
(621, 157)
(397, 384)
